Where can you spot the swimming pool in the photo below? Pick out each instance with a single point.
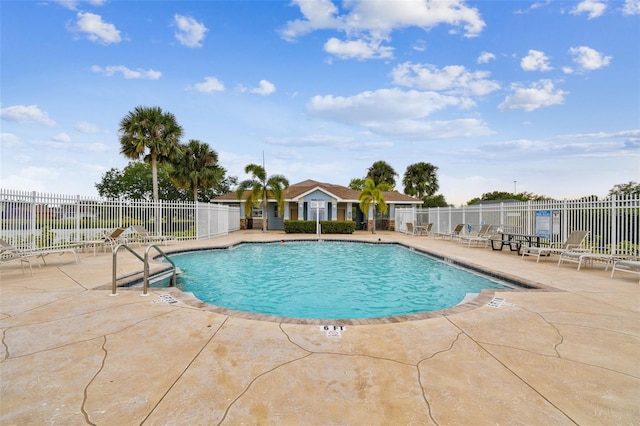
(325, 280)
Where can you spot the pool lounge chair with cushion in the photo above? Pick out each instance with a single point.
(111, 239)
(626, 265)
(575, 240)
(146, 237)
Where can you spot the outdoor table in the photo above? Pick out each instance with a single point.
(516, 240)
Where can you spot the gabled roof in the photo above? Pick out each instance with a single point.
(341, 193)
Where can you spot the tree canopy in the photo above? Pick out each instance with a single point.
(134, 182)
(381, 171)
(150, 133)
(372, 195)
(625, 189)
(196, 167)
(259, 187)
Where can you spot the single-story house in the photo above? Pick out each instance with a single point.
(309, 200)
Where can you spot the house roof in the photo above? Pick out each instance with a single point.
(342, 193)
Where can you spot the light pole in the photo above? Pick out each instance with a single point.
(514, 187)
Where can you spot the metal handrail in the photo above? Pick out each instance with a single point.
(115, 261)
(145, 282)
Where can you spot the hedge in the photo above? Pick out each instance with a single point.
(327, 226)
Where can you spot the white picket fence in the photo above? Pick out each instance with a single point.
(613, 223)
(36, 220)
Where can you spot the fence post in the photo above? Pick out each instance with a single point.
(33, 219)
(614, 224)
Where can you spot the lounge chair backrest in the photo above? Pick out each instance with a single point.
(484, 229)
(114, 234)
(458, 229)
(575, 239)
(429, 226)
(140, 230)
(409, 227)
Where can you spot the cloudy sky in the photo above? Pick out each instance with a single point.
(540, 96)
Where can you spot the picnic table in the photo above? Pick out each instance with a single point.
(515, 241)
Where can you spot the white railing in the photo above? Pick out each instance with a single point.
(36, 220)
(613, 223)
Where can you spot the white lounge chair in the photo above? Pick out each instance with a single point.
(455, 232)
(108, 240)
(626, 265)
(479, 237)
(575, 240)
(582, 257)
(9, 252)
(146, 237)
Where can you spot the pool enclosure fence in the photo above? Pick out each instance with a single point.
(613, 223)
(32, 220)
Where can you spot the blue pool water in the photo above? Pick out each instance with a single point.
(325, 280)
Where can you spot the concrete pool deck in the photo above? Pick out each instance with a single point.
(71, 354)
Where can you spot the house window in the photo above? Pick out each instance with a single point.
(256, 212)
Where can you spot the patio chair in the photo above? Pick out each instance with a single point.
(626, 265)
(108, 240)
(424, 229)
(575, 240)
(146, 237)
(409, 229)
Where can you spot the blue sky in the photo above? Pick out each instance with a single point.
(546, 93)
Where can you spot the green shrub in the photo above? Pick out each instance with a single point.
(327, 226)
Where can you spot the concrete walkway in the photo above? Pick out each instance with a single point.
(71, 354)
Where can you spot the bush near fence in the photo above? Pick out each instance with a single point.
(327, 226)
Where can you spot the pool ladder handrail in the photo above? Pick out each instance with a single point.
(145, 261)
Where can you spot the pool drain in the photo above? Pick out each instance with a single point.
(496, 302)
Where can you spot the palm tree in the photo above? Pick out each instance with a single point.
(260, 187)
(152, 134)
(421, 180)
(372, 195)
(197, 167)
(381, 171)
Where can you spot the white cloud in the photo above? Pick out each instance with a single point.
(397, 113)
(485, 57)
(26, 114)
(358, 49)
(127, 73)
(96, 29)
(592, 7)
(631, 7)
(452, 79)
(542, 93)
(589, 59)
(61, 137)
(209, 85)
(190, 32)
(379, 105)
(535, 61)
(31, 179)
(265, 88)
(73, 4)
(84, 127)
(8, 140)
(368, 23)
